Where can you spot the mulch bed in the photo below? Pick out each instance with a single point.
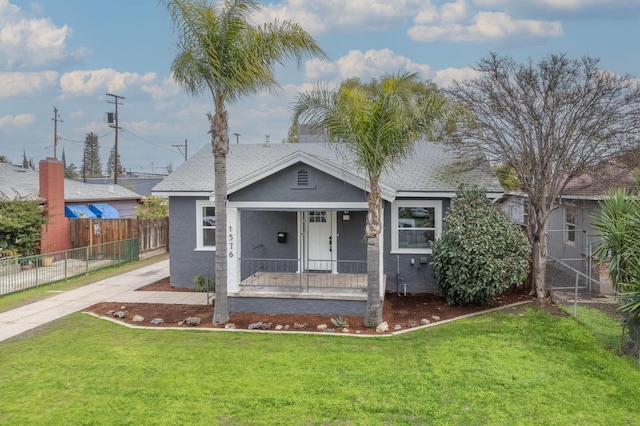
(397, 310)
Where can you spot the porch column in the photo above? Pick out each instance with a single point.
(381, 248)
(233, 250)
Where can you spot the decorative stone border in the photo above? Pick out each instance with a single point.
(394, 333)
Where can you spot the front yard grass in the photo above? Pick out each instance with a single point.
(498, 368)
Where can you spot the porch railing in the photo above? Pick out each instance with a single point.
(317, 274)
(21, 273)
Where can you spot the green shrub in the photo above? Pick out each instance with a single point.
(153, 207)
(204, 283)
(481, 252)
(21, 220)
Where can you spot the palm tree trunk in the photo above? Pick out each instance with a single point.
(373, 315)
(220, 144)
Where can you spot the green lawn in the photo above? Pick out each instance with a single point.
(493, 369)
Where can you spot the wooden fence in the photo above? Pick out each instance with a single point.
(152, 233)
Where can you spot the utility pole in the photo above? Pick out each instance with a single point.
(115, 126)
(56, 118)
(237, 138)
(179, 146)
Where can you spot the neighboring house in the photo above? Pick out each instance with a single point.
(57, 193)
(139, 185)
(570, 237)
(26, 182)
(296, 217)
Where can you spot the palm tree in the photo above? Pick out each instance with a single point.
(378, 123)
(221, 53)
(618, 224)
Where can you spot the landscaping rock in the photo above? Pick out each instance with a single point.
(435, 317)
(397, 327)
(286, 327)
(230, 326)
(279, 327)
(266, 326)
(120, 314)
(138, 318)
(300, 326)
(382, 327)
(110, 312)
(411, 324)
(346, 330)
(255, 325)
(322, 327)
(192, 321)
(424, 321)
(157, 321)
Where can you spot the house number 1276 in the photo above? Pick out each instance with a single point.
(230, 241)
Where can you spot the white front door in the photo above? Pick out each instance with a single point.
(320, 250)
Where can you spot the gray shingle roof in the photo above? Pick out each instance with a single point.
(430, 168)
(27, 182)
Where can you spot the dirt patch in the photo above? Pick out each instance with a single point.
(398, 310)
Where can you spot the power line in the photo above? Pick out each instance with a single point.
(148, 141)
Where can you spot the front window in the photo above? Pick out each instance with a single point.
(205, 226)
(416, 225)
(570, 224)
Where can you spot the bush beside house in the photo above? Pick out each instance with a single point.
(481, 252)
(21, 220)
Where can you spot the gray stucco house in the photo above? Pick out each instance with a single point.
(296, 216)
(571, 237)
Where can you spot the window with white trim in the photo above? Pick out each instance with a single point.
(205, 225)
(570, 224)
(416, 223)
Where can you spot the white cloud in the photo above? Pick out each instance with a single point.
(483, 26)
(318, 17)
(31, 42)
(20, 120)
(365, 65)
(25, 83)
(85, 82)
(443, 78)
(168, 88)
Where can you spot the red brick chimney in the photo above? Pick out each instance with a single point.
(56, 235)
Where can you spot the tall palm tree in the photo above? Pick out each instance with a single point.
(223, 54)
(378, 123)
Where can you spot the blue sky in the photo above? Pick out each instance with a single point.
(70, 54)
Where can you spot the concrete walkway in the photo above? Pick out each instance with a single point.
(120, 288)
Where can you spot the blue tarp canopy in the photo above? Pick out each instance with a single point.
(78, 211)
(104, 211)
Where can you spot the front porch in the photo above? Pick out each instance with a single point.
(279, 286)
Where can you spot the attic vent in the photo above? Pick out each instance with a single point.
(303, 178)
